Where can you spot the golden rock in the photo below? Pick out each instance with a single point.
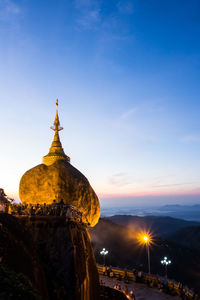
(56, 179)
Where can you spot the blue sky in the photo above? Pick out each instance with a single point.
(127, 76)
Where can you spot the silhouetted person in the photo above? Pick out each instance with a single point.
(104, 270)
(125, 290)
(132, 295)
(119, 277)
(68, 213)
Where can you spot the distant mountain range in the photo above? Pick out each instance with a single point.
(186, 212)
(159, 226)
(187, 237)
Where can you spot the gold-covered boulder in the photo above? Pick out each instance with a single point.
(57, 180)
(62, 182)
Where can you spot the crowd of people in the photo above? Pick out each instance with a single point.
(107, 271)
(153, 282)
(165, 286)
(55, 209)
(125, 290)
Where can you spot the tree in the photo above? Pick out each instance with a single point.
(4, 201)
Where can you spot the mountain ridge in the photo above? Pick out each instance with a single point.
(162, 226)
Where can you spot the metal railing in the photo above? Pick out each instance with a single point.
(67, 211)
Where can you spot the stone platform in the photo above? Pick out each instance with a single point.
(142, 291)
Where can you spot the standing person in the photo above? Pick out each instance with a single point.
(111, 273)
(104, 270)
(108, 271)
(132, 295)
(44, 209)
(68, 213)
(119, 277)
(125, 290)
(126, 277)
(101, 282)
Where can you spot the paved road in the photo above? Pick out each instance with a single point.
(142, 292)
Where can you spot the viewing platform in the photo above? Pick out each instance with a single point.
(144, 286)
(55, 212)
(141, 290)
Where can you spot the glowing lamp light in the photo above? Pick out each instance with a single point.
(145, 238)
(165, 263)
(104, 252)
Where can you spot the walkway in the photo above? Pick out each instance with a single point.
(142, 292)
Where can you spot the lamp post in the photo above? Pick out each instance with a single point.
(104, 252)
(146, 239)
(165, 263)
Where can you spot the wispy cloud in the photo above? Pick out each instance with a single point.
(119, 179)
(89, 19)
(8, 8)
(83, 3)
(89, 13)
(191, 138)
(129, 113)
(173, 184)
(125, 7)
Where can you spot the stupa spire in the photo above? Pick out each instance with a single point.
(56, 151)
(56, 123)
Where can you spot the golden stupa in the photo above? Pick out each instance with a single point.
(56, 179)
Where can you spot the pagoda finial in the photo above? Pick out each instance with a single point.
(56, 151)
(56, 123)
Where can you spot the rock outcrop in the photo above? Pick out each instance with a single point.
(60, 181)
(18, 253)
(67, 257)
(55, 255)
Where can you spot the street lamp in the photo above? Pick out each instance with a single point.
(146, 239)
(104, 252)
(165, 263)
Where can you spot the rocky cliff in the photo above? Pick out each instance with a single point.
(55, 256)
(67, 257)
(18, 254)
